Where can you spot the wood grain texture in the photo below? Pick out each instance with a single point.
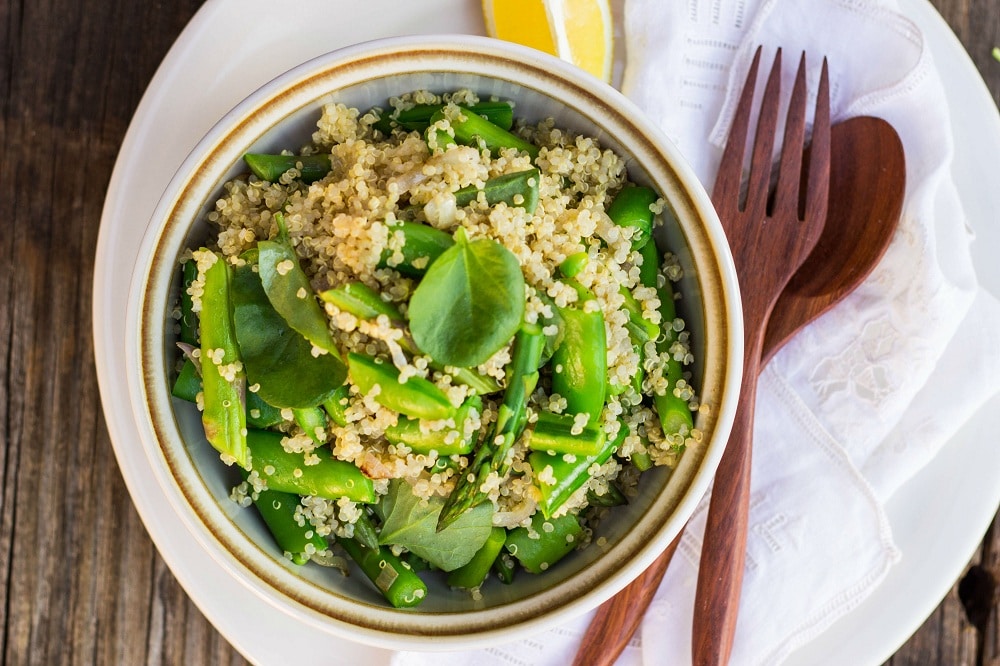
(80, 579)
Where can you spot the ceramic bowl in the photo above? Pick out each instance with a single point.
(282, 114)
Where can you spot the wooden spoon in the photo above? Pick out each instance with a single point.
(867, 181)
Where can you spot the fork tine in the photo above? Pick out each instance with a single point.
(818, 188)
(763, 147)
(786, 193)
(731, 167)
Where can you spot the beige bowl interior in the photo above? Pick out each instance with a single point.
(283, 115)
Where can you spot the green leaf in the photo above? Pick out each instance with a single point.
(275, 356)
(289, 291)
(469, 304)
(411, 522)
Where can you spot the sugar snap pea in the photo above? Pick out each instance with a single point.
(560, 434)
(580, 362)
(631, 208)
(447, 441)
(515, 189)
(278, 509)
(421, 246)
(187, 386)
(471, 575)
(397, 582)
(548, 541)
(470, 129)
(418, 397)
(272, 167)
(288, 472)
(189, 320)
(222, 375)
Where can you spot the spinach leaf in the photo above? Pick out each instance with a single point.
(411, 522)
(289, 291)
(275, 356)
(469, 304)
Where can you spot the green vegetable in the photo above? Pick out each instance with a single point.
(469, 304)
(312, 420)
(411, 522)
(514, 189)
(277, 509)
(224, 413)
(613, 496)
(421, 241)
(364, 530)
(418, 117)
(492, 455)
(418, 397)
(473, 130)
(394, 578)
(565, 474)
(363, 302)
(336, 405)
(630, 208)
(189, 320)
(555, 432)
(407, 431)
(580, 362)
(259, 413)
(541, 547)
(271, 167)
(289, 291)
(277, 358)
(573, 264)
(673, 412)
(504, 567)
(287, 472)
(471, 575)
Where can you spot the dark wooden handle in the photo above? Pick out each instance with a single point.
(618, 618)
(723, 554)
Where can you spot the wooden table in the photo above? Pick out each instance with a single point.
(79, 578)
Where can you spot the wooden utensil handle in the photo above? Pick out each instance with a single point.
(618, 618)
(723, 553)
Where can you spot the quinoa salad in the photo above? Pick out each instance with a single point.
(436, 341)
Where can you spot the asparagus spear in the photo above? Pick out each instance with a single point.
(492, 454)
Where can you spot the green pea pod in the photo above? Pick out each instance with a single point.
(514, 189)
(272, 167)
(360, 300)
(580, 362)
(565, 474)
(277, 509)
(336, 405)
(421, 242)
(224, 413)
(673, 412)
(364, 302)
(504, 567)
(189, 320)
(418, 397)
(407, 431)
(287, 472)
(277, 358)
(573, 264)
(312, 420)
(640, 328)
(555, 432)
(630, 208)
(471, 130)
(289, 291)
(259, 413)
(397, 582)
(554, 539)
(418, 117)
(471, 575)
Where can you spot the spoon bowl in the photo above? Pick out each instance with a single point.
(867, 183)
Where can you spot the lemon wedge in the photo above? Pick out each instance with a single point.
(578, 31)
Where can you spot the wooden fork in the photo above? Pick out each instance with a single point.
(769, 236)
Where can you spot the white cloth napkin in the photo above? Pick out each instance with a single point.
(859, 401)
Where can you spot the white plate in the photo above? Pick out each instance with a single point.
(229, 49)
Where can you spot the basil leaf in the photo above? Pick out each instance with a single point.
(411, 522)
(274, 356)
(469, 304)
